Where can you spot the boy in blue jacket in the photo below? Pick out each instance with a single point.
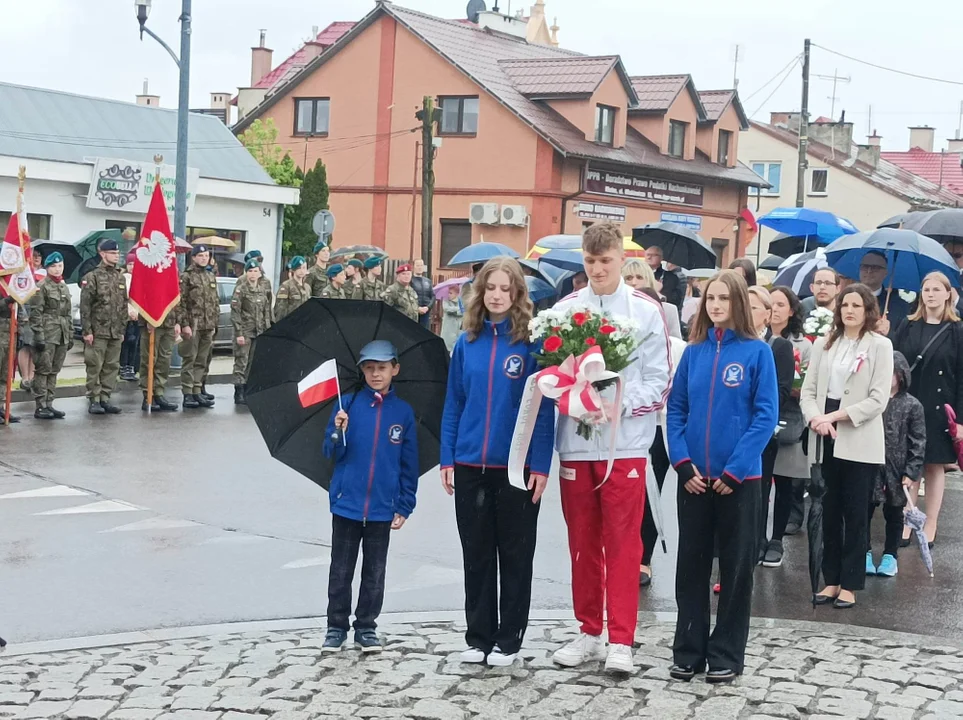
(374, 444)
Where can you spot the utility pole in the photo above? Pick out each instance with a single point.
(428, 115)
(959, 128)
(803, 131)
(183, 104)
(836, 78)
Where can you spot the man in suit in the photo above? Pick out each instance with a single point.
(671, 284)
(872, 273)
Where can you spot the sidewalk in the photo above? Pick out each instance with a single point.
(276, 670)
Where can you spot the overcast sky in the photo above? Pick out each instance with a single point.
(91, 47)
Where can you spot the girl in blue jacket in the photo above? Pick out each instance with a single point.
(497, 522)
(722, 411)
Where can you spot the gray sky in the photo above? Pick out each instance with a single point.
(91, 47)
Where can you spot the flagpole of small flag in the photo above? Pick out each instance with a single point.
(12, 347)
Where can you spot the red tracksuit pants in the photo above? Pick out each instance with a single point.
(605, 544)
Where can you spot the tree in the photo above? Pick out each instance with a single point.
(299, 235)
(261, 140)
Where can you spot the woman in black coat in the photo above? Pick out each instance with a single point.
(931, 339)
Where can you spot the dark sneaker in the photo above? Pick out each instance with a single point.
(774, 552)
(59, 414)
(719, 676)
(367, 640)
(96, 409)
(108, 408)
(334, 640)
(190, 402)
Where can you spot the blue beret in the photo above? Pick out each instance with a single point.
(334, 270)
(251, 264)
(108, 245)
(372, 262)
(198, 249)
(54, 257)
(319, 246)
(355, 263)
(296, 262)
(253, 254)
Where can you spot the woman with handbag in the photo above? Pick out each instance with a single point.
(843, 398)
(931, 339)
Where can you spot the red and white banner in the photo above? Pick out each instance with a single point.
(18, 280)
(320, 385)
(154, 285)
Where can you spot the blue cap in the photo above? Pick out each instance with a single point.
(296, 262)
(54, 257)
(198, 249)
(355, 263)
(334, 270)
(253, 254)
(379, 351)
(251, 264)
(372, 262)
(319, 246)
(108, 245)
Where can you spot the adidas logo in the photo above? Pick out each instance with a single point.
(633, 473)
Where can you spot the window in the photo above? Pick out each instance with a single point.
(226, 267)
(677, 138)
(771, 172)
(818, 181)
(311, 116)
(38, 226)
(604, 125)
(459, 116)
(455, 236)
(725, 142)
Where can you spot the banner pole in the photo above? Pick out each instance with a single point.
(151, 330)
(11, 354)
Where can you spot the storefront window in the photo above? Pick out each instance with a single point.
(38, 226)
(130, 234)
(216, 237)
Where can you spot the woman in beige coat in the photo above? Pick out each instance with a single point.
(843, 398)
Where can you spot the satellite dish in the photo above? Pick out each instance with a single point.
(474, 8)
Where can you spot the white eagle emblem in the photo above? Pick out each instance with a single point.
(157, 251)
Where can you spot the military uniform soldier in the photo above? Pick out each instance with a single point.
(251, 316)
(103, 317)
(52, 335)
(336, 283)
(7, 305)
(293, 292)
(317, 279)
(197, 315)
(373, 287)
(352, 283)
(263, 282)
(400, 295)
(163, 347)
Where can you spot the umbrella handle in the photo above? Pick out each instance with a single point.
(909, 501)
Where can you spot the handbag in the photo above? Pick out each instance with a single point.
(919, 358)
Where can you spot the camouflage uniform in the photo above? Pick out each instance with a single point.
(352, 289)
(291, 295)
(52, 327)
(5, 311)
(264, 283)
(404, 299)
(163, 348)
(335, 293)
(199, 310)
(103, 314)
(317, 280)
(250, 315)
(373, 289)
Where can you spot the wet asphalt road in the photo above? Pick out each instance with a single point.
(110, 524)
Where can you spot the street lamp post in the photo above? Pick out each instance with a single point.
(142, 8)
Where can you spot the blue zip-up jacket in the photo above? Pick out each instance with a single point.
(376, 469)
(723, 408)
(485, 382)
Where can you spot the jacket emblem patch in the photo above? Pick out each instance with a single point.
(513, 366)
(394, 434)
(733, 375)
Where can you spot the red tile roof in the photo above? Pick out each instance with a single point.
(556, 76)
(294, 64)
(716, 102)
(657, 92)
(937, 167)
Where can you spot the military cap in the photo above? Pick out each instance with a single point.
(251, 264)
(319, 246)
(372, 262)
(252, 254)
(107, 245)
(296, 262)
(334, 270)
(198, 249)
(355, 263)
(402, 268)
(54, 257)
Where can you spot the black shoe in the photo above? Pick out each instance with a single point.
(203, 401)
(793, 528)
(43, 413)
(13, 418)
(96, 408)
(645, 578)
(720, 676)
(164, 404)
(905, 542)
(823, 599)
(843, 604)
(239, 398)
(108, 408)
(204, 394)
(774, 552)
(684, 672)
(190, 402)
(154, 407)
(58, 414)
(3, 643)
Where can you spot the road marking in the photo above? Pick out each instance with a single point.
(308, 562)
(157, 523)
(105, 506)
(46, 492)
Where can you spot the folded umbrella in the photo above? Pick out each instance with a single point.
(654, 496)
(680, 245)
(798, 270)
(814, 525)
(479, 253)
(72, 256)
(915, 519)
(441, 289)
(802, 222)
(321, 330)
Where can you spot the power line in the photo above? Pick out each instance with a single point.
(769, 82)
(776, 89)
(889, 69)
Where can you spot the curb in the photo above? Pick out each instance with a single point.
(72, 391)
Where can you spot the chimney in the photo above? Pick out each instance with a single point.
(838, 136)
(868, 154)
(220, 100)
(954, 145)
(314, 32)
(788, 120)
(261, 58)
(875, 139)
(146, 99)
(922, 137)
(494, 20)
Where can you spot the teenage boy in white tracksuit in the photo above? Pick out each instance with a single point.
(603, 522)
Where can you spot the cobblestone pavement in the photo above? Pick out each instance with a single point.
(796, 670)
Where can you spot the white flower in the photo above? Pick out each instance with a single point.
(907, 295)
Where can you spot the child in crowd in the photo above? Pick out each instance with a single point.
(373, 441)
(904, 427)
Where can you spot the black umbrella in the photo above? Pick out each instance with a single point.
(814, 525)
(772, 262)
(72, 256)
(942, 225)
(896, 221)
(799, 270)
(323, 329)
(680, 245)
(786, 245)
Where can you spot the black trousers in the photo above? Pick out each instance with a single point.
(347, 536)
(497, 524)
(734, 519)
(130, 347)
(782, 505)
(894, 529)
(660, 466)
(765, 489)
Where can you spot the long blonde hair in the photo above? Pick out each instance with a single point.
(739, 316)
(521, 311)
(634, 266)
(949, 312)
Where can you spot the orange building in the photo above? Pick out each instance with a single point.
(533, 140)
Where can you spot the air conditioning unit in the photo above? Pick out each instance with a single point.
(484, 214)
(514, 215)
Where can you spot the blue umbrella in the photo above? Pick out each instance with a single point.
(819, 226)
(560, 242)
(909, 257)
(570, 260)
(549, 273)
(480, 252)
(539, 289)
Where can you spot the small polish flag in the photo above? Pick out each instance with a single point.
(320, 385)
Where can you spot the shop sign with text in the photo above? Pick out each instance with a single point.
(646, 189)
(598, 211)
(127, 185)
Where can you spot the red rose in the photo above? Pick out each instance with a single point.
(606, 329)
(580, 318)
(557, 328)
(552, 343)
(590, 341)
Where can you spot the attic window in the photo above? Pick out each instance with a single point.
(604, 125)
(725, 145)
(677, 138)
(459, 116)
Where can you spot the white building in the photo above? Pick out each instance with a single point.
(90, 166)
(844, 178)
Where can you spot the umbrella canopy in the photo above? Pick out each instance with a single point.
(323, 329)
(680, 245)
(441, 289)
(909, 256)
(802, 222)
(539, 289)
(574, 242)
(479, 253)
(786, 245)
(215, 241)
(773, 262)
(896, 221)
(87, 247)
(236, 258)
(570, 260)
(942, 225)
(798, 270)
(367, 250)
(549, 273)
(72, 256)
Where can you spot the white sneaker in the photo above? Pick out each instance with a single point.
(473, 655)
(496, 658)
(619, 659)
(584, 648)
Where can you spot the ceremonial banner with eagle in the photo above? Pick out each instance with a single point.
(154, 285)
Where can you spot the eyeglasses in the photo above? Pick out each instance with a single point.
(825, 283)
(873, 268)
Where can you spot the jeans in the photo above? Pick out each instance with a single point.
(347, 536)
